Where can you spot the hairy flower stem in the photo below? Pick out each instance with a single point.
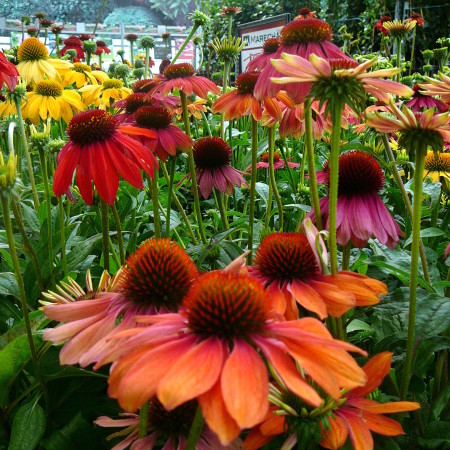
(273, 181)
(132, 53)
(147, 62)
(119, 233)
(404, 194)
(143, 420)
(28, 248)
(417, 209)
(18, 102)
(251, 214)
(62, 228)
(399, 57)
(333, 192)
(412, 50)
(187, 130)
(180, 207)
(222, 209)
(21, 286)
(105, 234)
(311, 164)
(186, 42)
(155, 202)
(48, 201)
(224, 90)
(169, 194)
(195, 431)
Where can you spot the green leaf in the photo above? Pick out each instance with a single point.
(437, 435)
(426, 233)
(8, 285)
(28, 427)
(263, 191)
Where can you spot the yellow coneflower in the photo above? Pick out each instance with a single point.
(49, 99)
(7, 107)
(398, 28)
(101, 95)
(438, 169)
(82, 74)
(35, 64)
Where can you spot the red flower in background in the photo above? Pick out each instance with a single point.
(73, 43)
(8, 73)
(101, 48)
(379, 25)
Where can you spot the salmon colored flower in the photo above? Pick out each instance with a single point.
(359, 416)
(99, 153)
(436, 87)
(361, 213)
(261, 61)
(8, 73)
(278, 162)
(182, 77)
(301, 37)
(212, 157)
(291, 272)
(154, 280)
(169, 427)
(241, 101)
(353, 80)
(209, 351)
(169, 137)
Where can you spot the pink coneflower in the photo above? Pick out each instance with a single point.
(261, 61)
(278, 162)
(436, 87)
(209, 351)
(170, 427)
(130, 105)
(73, 43)
(419, 102)
(8, 73)
(302, 37)
(169, 137)
(101, 48)
(287, 265)
(379, 25)
(361, 214)
(100, 152)
(212, 157)
(154, 280)
(241, 101)
(182, 77)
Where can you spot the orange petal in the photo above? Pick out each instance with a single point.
(337, 301)
(245, 385)
(383, 425)
(193, 374)
(382, 408)
(359, 432)
(256, 440)
(335, 436)
(216, 415)
(276, 296)
(307, 297)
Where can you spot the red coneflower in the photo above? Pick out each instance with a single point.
(306, 13)
(130, 105)
(286, 264)
(260, 61)
(209, 351)
(182, 77)
(86, 36)
(379, 25)
(158, 119)
(73, 43)
(154, 280)
(101, 48)
(302, 37)
(418, 18)
(361, 214)
(212, 157)
(99, 152)
(131, 37)
(241, 101)
(419, 102)
(278, 162)
(8, 73)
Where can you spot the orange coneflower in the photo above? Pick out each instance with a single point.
(290, 270)
(209, 351)
(436, 87)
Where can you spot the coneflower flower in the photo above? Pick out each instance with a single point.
(103, 95)
(154, 280)
(361, 214)
(290, 270)
(278, 162)
(208, 351)
(8, 73)
(182, 77)
(73, 43)
(381, 21)
(301, 37)
(438, 169)
(99, 153)
(81, 74)
(212, 157)
(417, 18)
(130, 105)
(158, 119)
(419, 102)
(35, 64)
(439, 87)
(306, 13)
(399, 29)
(261, 61)
(101, 48)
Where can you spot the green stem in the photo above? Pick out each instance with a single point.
(15, 205)
(169, 194)
(251, 214)
(206, 124)
(269, 207)
(100, 60)
(222, 209)
(155, 202)
(412, 50)
(18, 102)
(399, 56)
(438, 373)
(21, 287)
(147, 62)
(311, 164)
(132, 53)
(230, 24)
(187, 130)
(119, 233)
(195, 431)
(105, 234)
(404, 194)
(286, 164)
(62, 227)
(224, 89)
(143, 420)
(88, 58)
(183, 45)
(48, 201)
(57, 46)
(417, 209)
(272, 180)
(99, 16)
(346, 256)
(333, 190)
(180, 207)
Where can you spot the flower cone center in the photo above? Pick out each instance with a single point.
(48, 88)
(441, 164)
(143, 86)
(113, 83)
(211, 153)
(134, 101)
(245, 82)
(302, 31)
(153, 117)
(271, 45)
(181, 70)
(80, 67)
(32, 49)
